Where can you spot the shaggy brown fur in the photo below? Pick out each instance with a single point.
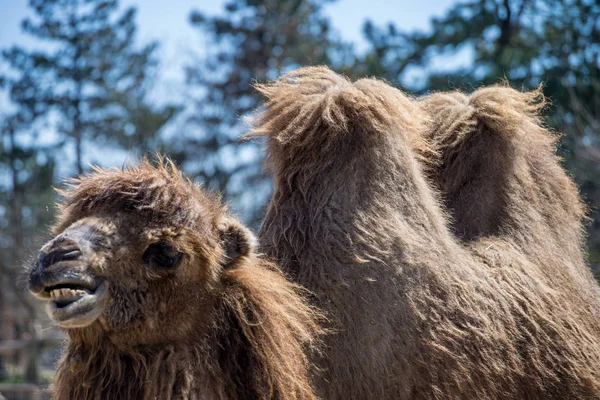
(419, 314)
(500, 176)
(223, 324)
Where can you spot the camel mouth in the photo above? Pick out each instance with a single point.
(75, 304)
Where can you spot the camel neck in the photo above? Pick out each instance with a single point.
(103, 371)
(365, 204)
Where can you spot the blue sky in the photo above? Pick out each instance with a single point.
(167, 21)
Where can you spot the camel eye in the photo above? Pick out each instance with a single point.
(162, 255)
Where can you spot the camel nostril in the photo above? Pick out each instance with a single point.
(58, 255)
(60, 249)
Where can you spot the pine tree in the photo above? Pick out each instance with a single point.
(252, 42)
(90, 57)
(141, 124)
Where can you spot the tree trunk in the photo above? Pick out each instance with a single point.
(78, 145)
(3, 370)
(77, 131)
(16, 229)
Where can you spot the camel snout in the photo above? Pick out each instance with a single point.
(61, 259)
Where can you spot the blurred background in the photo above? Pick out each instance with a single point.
(106, 82)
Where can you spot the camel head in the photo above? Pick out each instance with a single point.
(137, 255)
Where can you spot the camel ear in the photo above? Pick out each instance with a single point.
(238, 241)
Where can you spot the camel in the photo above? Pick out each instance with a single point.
(162, 295)
(473, 290)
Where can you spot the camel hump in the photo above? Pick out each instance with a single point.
(316, 106)
(498, 110)
(505, 108)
